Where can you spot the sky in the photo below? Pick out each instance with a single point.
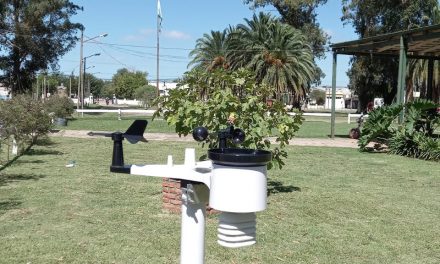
(131, 41)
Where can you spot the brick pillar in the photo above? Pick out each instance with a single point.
(172, 197)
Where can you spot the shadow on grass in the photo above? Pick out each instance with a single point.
(47, 141)
(9, 205)
(274, 187)
(32, 152)
(6, 178)
(340, 136)
(42, 152)
(28, 161)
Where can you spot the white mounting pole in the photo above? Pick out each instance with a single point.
(194, 199)
(192, 244)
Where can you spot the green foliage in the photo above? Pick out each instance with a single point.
(96, 84)
(59, 106)
(126, 82)
(277, 53)
(108, 90)
(147, 94)
(279, 56)
(229, 95)
(377, 77)
(301, 15)
(416, 144)
(24, 119)
(211, 50)
(378, 125)
(35, 34)
(413, 138)
(318, 95)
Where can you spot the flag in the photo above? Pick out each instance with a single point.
(159, 15)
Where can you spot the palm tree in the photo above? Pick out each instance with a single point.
(211, 50)
(276, 52)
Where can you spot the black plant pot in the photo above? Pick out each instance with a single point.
(60, 121)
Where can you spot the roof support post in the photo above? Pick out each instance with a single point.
(430, 79)
(401, 85)
(333, 117)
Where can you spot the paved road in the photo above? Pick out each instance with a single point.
(320, 142)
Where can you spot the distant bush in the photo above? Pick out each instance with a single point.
(23, 119)
(59, 106)
(146, 94)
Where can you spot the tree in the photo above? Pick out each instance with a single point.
(33, 35)
(146, 94)
(96, 84)
(126, 82)
(370, 77)
(231, 95)
(301, 14)
(276, 52)
(211, 50)
(318, 95)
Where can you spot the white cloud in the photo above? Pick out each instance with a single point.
(142, 34)
(174, 34)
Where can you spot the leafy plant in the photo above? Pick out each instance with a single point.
(212, 99)
(378, 125)
(413, 138)
(24, 119)
(146, 94)
(60, 106)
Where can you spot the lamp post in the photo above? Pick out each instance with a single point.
(82, 68)
(84, 75)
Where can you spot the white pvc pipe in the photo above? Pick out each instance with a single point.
(192, 244)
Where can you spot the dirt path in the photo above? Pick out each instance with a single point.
(318, 142)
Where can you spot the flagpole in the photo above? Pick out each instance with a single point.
(157, 48)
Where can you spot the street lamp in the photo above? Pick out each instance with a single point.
(82, 69)
(84, 74)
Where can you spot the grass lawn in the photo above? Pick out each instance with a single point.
(327, 206)
(313, 127)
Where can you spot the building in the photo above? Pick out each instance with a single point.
(4, 92)
(345, 99)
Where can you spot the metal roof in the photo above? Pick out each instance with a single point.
(423, 43)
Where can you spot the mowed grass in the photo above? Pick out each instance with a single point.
(328, 205)
(313, 127)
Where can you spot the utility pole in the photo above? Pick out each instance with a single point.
(157, 58)
(159, 25)
(80, 71)
(70, 86)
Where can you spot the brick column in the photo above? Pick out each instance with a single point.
(172, 197)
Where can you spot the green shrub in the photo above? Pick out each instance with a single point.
(378, 127)
(59, 106)
(210, 99)
(416, 145)
(413, 138)
(24, 119)
(146, 94)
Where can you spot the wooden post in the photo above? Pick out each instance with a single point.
(401, 85)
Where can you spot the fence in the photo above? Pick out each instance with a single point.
(151, 112)
(118, 111)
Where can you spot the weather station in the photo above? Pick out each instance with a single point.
(232, 181)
